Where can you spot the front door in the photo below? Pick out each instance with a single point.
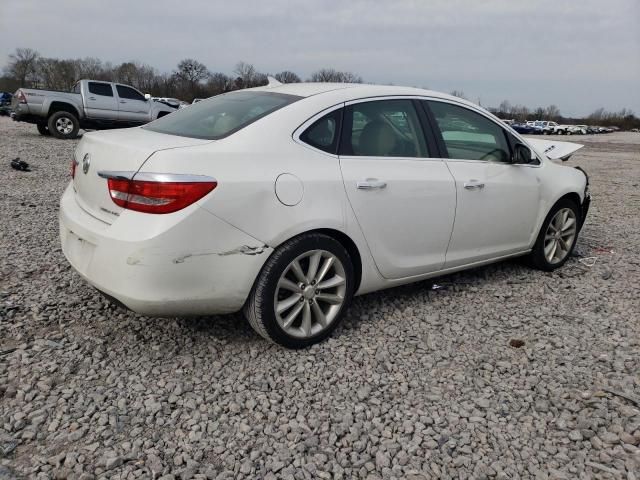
(498, 201)
(403, 196)
(132, 105)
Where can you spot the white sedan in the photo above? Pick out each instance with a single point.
(287, 200)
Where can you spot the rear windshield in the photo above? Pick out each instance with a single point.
(220, 116)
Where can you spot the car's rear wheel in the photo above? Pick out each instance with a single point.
(63, 125)
(557, 236)
(43, 130)
(302, 291)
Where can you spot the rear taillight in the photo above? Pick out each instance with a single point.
(157, 193)
(21, 97)
(74, 164)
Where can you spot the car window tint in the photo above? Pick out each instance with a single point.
(323, 133)
(130, 93)
(222, 115)
(469, 135)
(103, 89)
(383, 128)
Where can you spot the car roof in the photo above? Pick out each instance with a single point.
(354, 90)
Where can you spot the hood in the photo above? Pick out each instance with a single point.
(553, 149)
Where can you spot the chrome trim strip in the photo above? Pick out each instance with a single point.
(122, 175)
(156, 177)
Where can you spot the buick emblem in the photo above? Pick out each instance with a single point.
(86, 163)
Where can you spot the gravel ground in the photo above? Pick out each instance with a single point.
(503, 372)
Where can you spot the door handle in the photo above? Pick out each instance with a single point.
(371, 184)
(92, 98)
(122, 101)
(473, 185)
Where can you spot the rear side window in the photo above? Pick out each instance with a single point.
(130, 93)
(220, 116)
(469, 135)
(103, 89)
(383, 128)
(323, 134)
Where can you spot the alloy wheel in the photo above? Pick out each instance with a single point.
(560, 235)
(64, 125)
(310, 293)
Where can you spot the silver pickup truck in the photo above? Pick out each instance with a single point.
(91, 104)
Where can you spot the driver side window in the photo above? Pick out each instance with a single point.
(469, 135)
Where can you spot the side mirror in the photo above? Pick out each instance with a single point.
(522, 154)
(147, 96)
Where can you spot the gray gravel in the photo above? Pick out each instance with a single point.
(418, 383)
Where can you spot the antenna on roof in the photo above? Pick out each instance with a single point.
(273, 82)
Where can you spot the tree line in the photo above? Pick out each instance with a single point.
(624, 119)
(192, 79)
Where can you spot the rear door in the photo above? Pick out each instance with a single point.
(132, 106)
(402, 194)
(498, 201)
(100, 102)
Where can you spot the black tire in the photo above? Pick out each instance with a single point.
(537, 258)
(65, 117)
(259, 309)
(43, 130)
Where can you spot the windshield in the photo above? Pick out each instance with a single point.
(220, 116)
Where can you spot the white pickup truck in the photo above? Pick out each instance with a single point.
(91, 104)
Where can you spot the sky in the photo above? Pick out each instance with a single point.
(578, 55)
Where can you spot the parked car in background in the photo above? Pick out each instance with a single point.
(171, 102)
(548, 127)
(561, 129)
(254, 200)
(577, 130)
(524, 128)
(91, 104)
(5, 103)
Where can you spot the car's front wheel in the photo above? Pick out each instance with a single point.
(302, 291)
(557, 236)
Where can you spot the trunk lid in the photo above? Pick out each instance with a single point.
(123, 150)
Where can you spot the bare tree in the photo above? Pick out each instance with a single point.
(552, 112)
(90, 67)
(246, 75)
(23, 64)
(56, 74)
(458, 93)
(505, 107)
(127, 73)
(287, 76)
(192, 71)
(333, 75)
(218, 83)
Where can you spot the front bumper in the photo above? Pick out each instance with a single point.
(584, 209)
(187, 263)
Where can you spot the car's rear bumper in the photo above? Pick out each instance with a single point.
(196, 265)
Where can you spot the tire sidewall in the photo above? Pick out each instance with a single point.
(538, 256)
(273, 269)
(43, 130)
(54, 131)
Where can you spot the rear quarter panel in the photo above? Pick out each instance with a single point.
(246, 166)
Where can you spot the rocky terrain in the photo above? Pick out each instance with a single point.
(501, 372)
